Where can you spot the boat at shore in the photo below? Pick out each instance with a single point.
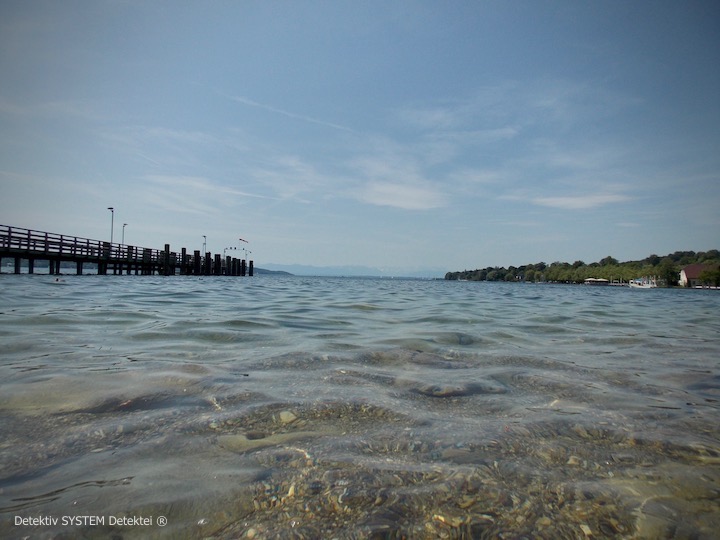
(643, 283)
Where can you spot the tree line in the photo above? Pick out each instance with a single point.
(665, 268)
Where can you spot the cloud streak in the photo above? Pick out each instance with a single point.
(200, 185)
(582, 202)
(296, 116)
(404, 196)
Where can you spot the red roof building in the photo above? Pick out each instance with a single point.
(690, 275)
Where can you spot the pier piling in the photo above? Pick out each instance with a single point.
(196, 262)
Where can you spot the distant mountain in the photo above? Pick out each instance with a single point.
(273, 272)
(359, 271)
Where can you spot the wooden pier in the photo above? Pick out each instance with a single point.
(25, 244)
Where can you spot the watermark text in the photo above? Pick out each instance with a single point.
(90, 521)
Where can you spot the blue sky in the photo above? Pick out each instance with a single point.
(399, 135)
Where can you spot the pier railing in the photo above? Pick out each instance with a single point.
(19, 243)
(17, 239)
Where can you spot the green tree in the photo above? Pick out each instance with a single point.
(666, 269)
(710, 277)
(607, 261)
(668, 272)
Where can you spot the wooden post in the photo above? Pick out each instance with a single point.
(173, 263)
(218, 265)
(17, 265)
(183, 262)
(250, 270)
(79, 265)
(196, 262)
(31, 266)
(129, 255)
(166, 260)
(242, 267)
(208, 263)
(147, 262)
(102, 266)
(228, 268)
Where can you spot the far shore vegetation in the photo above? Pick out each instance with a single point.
(666, 269)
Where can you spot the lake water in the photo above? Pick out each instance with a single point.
(291, 407)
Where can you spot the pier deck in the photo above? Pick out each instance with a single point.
(26, 244)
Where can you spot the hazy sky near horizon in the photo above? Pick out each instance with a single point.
(423, 134)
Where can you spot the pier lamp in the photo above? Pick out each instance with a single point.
(204, 245)
(112, 219)
(123, 234)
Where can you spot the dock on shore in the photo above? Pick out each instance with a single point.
(111, 258)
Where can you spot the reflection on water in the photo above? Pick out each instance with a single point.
(311, 408)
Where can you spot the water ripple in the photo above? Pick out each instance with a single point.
(410, 408)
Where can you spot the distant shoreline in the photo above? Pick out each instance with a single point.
(666, 269)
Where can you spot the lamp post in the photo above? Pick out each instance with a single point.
(123, 234)
(112, 221)
(244, 250)
(204, 244)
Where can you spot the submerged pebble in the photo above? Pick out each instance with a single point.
(243, 443)
(287, 417)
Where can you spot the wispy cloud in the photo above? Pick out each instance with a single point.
(395, 179)
(277, 110)
(189, 195)
(198, 185)
(431, 117)
(165, 148)
(581, 202)
(405, 196)
(479, 136)
(489, 105)
(529, 142)
(292, 177)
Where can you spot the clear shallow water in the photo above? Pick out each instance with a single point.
(277, 407)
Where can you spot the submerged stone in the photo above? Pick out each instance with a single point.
(242, 443)
(454, 390)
